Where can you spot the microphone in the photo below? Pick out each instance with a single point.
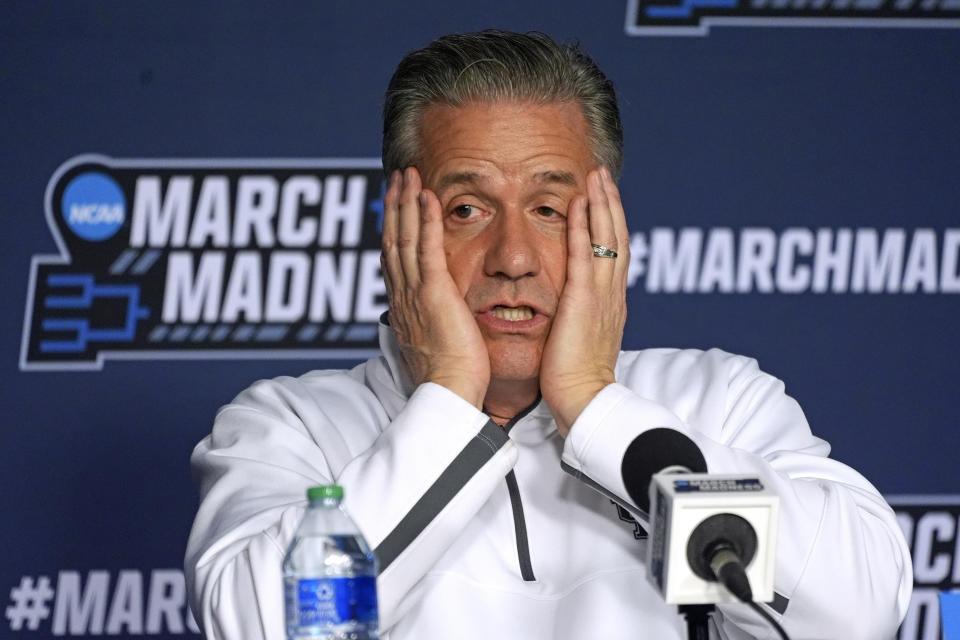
(719, 549)
(653, 451)
(711, 530)
(705, 530)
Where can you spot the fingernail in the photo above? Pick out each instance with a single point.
(423, 198)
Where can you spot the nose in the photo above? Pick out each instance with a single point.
(512, 247)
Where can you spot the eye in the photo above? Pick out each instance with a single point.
(548, 212)
(465, 211)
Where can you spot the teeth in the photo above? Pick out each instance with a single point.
(513, 314)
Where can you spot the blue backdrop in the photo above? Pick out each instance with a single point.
(792, 183)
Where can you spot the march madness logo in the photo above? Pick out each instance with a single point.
(207, 259)
(931, 526)
(695, 17)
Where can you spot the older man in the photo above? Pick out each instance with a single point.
(472, 451)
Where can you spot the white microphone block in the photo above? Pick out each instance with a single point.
(679, 502)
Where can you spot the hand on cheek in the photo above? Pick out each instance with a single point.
(437, 333)
(581, 352)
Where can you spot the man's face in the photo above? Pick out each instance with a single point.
(505, 174)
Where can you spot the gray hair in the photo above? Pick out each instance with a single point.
(490, 66)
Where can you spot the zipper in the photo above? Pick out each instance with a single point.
(520, 529)
(519, 521)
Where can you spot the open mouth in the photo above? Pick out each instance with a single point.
(512, 314)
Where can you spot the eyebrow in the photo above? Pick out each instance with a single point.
(543, 177)
(557, 177)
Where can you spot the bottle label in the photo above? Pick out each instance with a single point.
(336, 601)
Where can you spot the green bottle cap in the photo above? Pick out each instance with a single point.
(325, 491)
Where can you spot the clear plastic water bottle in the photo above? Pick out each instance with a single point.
(329, 574)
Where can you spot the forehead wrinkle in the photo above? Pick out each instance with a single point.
(473, 178)
(502, 144)
(460, 177)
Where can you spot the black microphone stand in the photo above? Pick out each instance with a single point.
(697, 616)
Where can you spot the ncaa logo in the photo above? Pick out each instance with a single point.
(93, 206)
(207, 258)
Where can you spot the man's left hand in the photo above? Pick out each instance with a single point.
(584, 342)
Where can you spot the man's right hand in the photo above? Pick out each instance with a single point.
(438, 335)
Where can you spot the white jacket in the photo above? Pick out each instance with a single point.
(481, 535)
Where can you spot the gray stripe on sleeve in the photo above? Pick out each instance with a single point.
(596, 486)
(467, 463)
